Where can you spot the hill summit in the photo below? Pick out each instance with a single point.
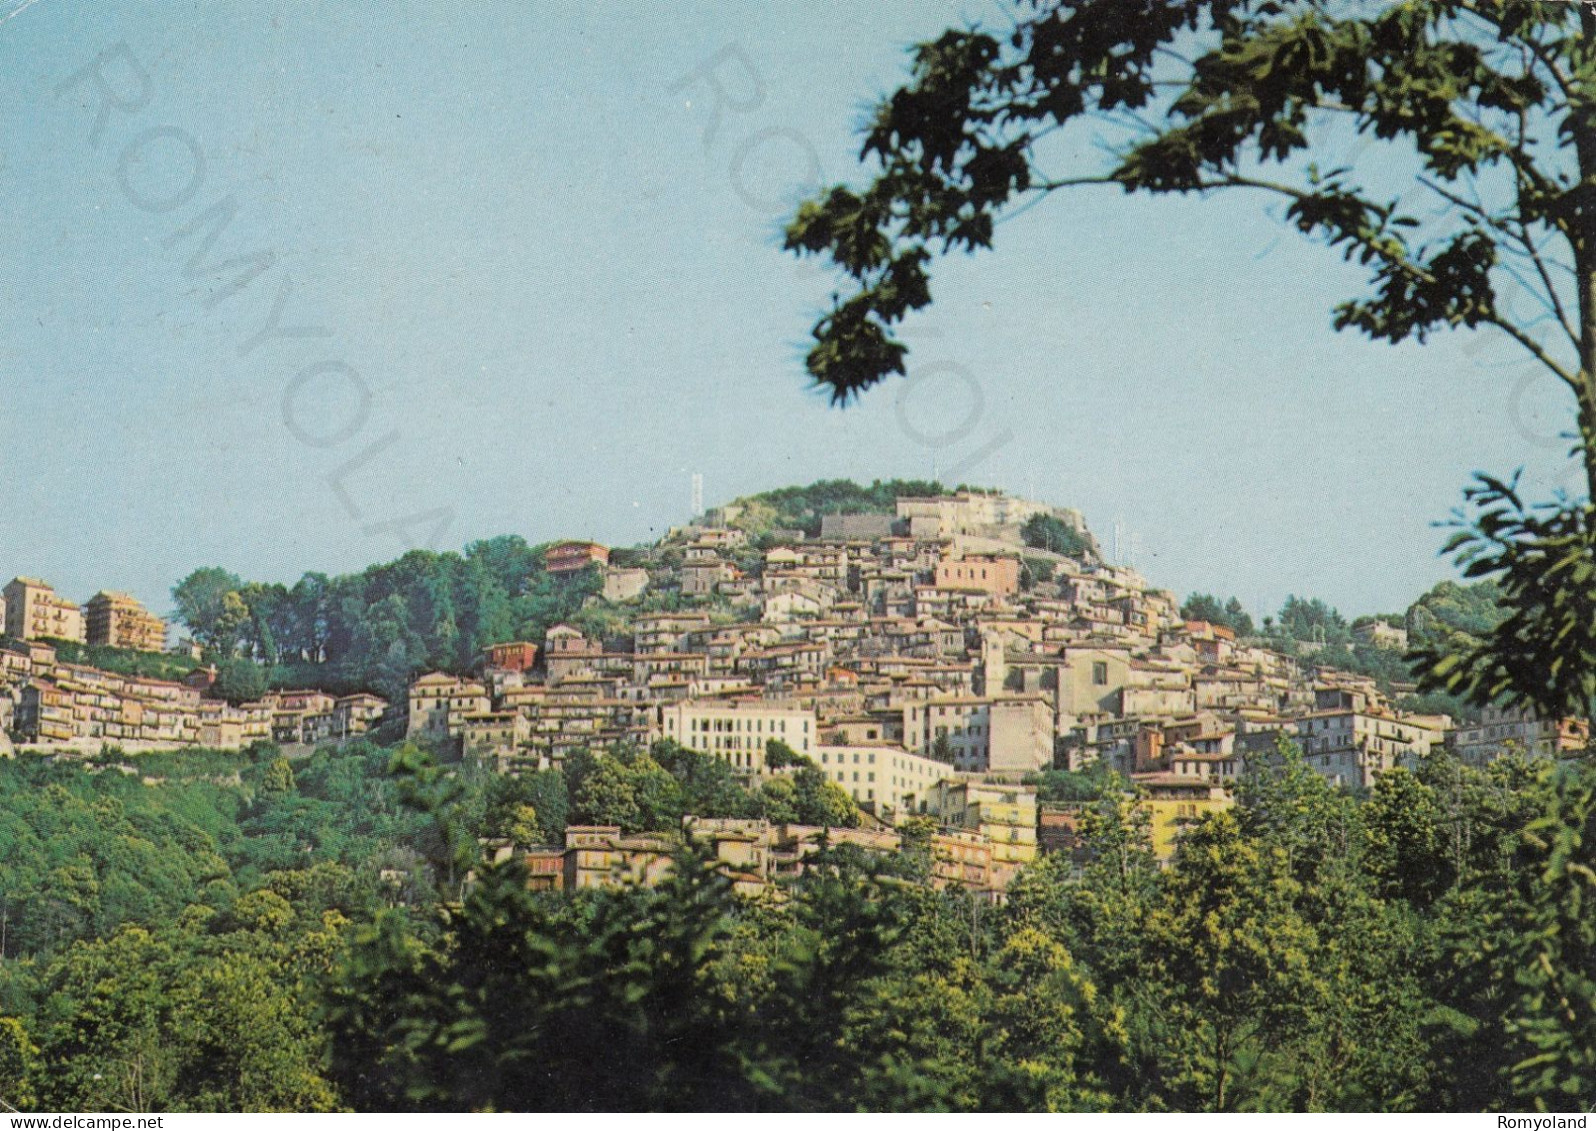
(911, 508)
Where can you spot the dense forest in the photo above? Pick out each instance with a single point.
(238, 931)
(376, 630)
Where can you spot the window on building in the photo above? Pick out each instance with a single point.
(1099, 673)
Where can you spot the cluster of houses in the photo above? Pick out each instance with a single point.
(966, 851)
(904, 654)
(50, 703)
(927, 662)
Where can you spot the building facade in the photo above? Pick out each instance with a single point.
(34, 611)
(572, 557)
(736, 731)
(881, 778)
(117, 620)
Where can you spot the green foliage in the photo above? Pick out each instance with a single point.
(1200, 96)
(86, 851)
(780, 756)
(1407, 857)
(201, 603)
(1554, 1024)
(378, 629)
(240, 681)
(822, 802)
(181, 1018)
(1034, 572)
(1471, 610)
(1089, 784)
(1237, 955)
(1050, 533)
(801, 508)
(1541, 652)
(125, 661)
(177, 923)
(18, 1065)
(214, 935)
(279, 777)
(1227, 614)
(1312, 621)
(516, 804)
(652, 791)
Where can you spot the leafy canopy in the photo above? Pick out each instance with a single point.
(1484, 103)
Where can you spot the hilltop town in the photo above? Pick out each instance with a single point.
(932, 660)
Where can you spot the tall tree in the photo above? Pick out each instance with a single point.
(1049, 532)
(1555, 1023)
(1236, 955)
(201, 600)
(1228, 614)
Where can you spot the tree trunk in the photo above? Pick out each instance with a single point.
(1582, 122)
(1221, 1067)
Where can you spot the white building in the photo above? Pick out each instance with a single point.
(882, 777)
(737, 730)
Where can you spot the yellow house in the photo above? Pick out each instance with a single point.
(1004, 814)
(121, 621)
(1176, 802)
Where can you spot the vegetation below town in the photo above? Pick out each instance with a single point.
(125, 661)
(237, 931)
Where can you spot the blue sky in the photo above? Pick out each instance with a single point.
(551, 292)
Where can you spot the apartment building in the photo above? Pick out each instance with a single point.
(973, 512)
(960, 726)
(515, 656)
(1353, 747)
(440, 703)
(1005, 815)
(1175, 803)
(573, 557)
(981, 573)
(117, 620)
(34, 611)
(998, 734)
(737, 730)
(1502, 731)
(624, 584)
(495, 736)
(883, 779)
